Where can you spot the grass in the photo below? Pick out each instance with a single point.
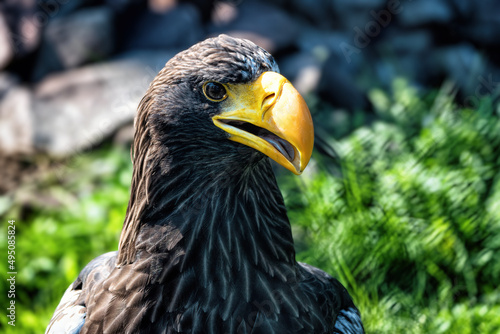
(412, 228)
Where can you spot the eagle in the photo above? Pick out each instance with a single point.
(206, 245)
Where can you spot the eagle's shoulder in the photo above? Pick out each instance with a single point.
(333, 299)
(69, 316)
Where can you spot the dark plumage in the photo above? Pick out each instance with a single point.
(206, 246)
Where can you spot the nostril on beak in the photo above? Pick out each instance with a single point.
(268, 101)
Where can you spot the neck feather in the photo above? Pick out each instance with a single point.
(226, 216)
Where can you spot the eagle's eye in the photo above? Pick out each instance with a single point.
(214, 91)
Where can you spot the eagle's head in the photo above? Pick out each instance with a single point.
(219, 89)
(214, 112)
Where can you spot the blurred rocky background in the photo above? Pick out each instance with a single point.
(73, 71)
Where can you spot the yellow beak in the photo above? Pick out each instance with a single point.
(270, 116)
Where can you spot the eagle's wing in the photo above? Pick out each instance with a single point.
(333, 299)
(69, 315)
(349, 322)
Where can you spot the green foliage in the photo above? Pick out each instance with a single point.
(413, 227)
(54, 243)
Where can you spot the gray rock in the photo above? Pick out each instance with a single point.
(319, 13)
(486, 11)
(338, 86)
(406, 54)
(16, 122)
(422, 12)
(266, 25)
(25, 22)
(328, 14)
(154, 60)
(6, 49)
(385, 72)
(463, 8)
(325, 43)
(484, 26)
(464, 65)
(312, 38)
(400, 42)
(360, 3)
(410, 66)
(79, 108)
(86, 35)
(124, 137)
(180, 27)
(363, 18)
(7, 81)
(78, 38)
(484, 34)
(303, 70)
